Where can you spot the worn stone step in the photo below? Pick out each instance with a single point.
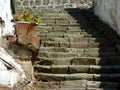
(88, 39)
(56, 54)
(87, 51)
(58, 49)
(64, 69)
(64, 35)
(44, 27)
(69, 44)
(96, 61)
(58, 27)
(57, 39)
(78, 85)
(78, 76)
(59, 35)
(53, 61)
(48, 21)
(56, 44)
(88, 45)
(79, 61)
(74, 36)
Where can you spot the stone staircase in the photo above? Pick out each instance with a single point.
(78, 52)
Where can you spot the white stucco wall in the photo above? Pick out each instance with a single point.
(109, 12)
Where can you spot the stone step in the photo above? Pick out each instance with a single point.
(59, 21)
(78, 85)
(79, 76)
(70, 69)
(79, 61)
(71, 34)
(69, 44)
(56, 49)
(56, 54)
(76, 54)
(87, 50)
(80, 38)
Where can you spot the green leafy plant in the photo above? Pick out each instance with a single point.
(25, 16)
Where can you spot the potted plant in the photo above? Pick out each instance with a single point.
(26, 24)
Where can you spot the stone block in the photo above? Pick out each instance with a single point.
(73, 84)
(49, 77)
(51, 44)
(84, 76)
(49, 85)
(78, 39)
(78, 45)
(84, 61)
(64, 44)
(59, 69)
(62, 61)
(79, 69)
(93, 45)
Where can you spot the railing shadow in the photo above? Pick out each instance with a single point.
(108, 53)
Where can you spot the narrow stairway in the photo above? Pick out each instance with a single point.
(77, 52)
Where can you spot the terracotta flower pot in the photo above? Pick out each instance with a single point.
(26, 28)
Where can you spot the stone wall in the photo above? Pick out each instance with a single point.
(109, 12)
(51, 4)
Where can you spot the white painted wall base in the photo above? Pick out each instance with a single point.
(15, 74)
(109, 12)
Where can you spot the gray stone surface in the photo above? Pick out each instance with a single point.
(73, 84)
(59, 69)
(78, 69)
(51, 4)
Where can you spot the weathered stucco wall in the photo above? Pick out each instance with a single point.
(51, 4)
(109, 12)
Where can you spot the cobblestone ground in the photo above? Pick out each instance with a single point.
(78, 52)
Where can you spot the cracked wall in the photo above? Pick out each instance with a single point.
(109, 12)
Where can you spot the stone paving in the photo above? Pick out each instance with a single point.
(76, 52)
(37, 5)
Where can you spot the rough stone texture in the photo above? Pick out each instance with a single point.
(73, 84)
(51, 4)
(59, 69)
(78, 69)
